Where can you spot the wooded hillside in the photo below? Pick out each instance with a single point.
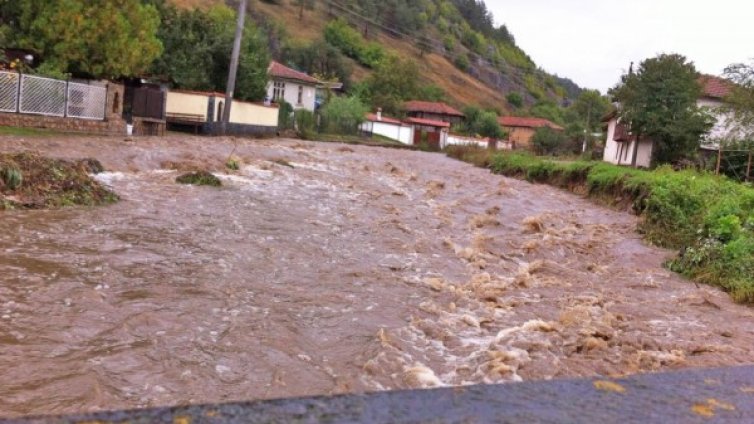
(455, 44)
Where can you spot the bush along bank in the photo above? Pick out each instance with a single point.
(709, 219)
(31, 181)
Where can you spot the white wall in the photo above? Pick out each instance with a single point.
(621, 152)
(253, 114)
(397, 132)
(291, 94)
(458, 140)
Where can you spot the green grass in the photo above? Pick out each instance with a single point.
(28, 132)
(709, 219)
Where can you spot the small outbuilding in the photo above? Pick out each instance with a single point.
(434, 111)
(521, 130)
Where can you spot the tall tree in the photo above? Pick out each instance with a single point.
(659, 102)
(741, 100)
(99, 38)
(198, 44)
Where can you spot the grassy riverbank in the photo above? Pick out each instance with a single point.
(709, 219)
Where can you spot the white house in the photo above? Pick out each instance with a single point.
(621, 145)
(296, 88)
(387, 127)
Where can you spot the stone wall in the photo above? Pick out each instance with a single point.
(112, 125)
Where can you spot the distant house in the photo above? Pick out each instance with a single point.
(521, 130)
(430, 132)
(434, 111)
(394, 129)
(296, 88)
(621, 144)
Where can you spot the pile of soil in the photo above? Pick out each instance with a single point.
(31, 181)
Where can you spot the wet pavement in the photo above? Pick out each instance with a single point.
(323, 269)
(696, 396)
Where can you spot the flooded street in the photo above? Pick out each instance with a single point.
(323, 268)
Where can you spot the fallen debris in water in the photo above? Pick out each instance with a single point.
(199, 178)
(31, 181)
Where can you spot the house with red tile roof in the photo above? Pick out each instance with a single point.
(295, 87)
(521, 129)
(435, 111)
(621, 144)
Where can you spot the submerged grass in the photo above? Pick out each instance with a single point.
(202, 178)
(709, 219)
(31, 181)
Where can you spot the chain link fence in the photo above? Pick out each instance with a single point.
(42, 96)
(86, 101)
(8, 91)
(51, 97)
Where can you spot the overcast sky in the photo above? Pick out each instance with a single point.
(594, 41)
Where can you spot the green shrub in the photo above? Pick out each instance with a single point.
(285, 122)
(342, 115)
(306, 124)
(352, 44)
(12, 178)
(199, 178)
(515, 99)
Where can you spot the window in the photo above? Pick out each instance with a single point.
(278, 91)
(300, 94)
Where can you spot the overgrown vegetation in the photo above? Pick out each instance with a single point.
(199, 178)
(342, 115)
(659, 102)
(31, 181)
(197, 44)
(709, 219)
(104, 39)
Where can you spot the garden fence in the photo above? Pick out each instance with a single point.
(51, 97)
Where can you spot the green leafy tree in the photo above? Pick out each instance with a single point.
(197, 47)
(741, 101)
(547, 141)
(320, 59)
(394, 81)
(659, 102)
(344, 114)
(103, 38)
(483, 123)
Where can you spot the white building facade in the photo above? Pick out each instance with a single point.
(294, 87)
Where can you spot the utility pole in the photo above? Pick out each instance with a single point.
(231, 86)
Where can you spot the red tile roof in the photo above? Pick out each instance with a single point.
(714, 87)
(431, 107)
(428, 122)
(527, 122)
(278, 70)
(373, 118)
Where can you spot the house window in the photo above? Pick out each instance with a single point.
(300, 94)
(278, 91)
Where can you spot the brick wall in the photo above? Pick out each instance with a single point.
(112, 125)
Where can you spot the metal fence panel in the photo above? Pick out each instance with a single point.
(86, 101)
(42, 96)
(9, 91)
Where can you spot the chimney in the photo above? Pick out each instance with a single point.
(379, 114)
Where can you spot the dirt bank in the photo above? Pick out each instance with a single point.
(324, 268)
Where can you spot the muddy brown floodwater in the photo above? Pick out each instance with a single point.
(353, 269)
